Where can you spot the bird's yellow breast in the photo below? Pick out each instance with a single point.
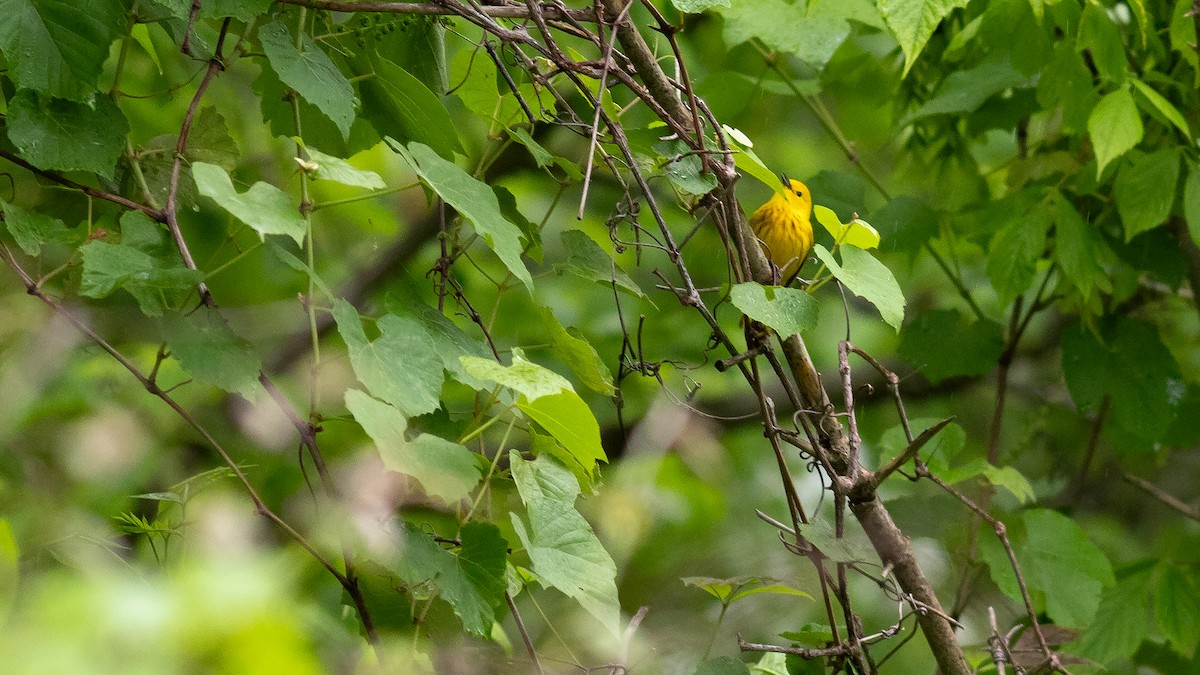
(784, 228)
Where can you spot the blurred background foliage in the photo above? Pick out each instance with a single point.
(984, 146)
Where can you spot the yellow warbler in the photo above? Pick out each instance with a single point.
(784, 229)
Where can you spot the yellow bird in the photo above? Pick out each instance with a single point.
(784, 228)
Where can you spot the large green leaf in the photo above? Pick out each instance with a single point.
(107, 267)
(1077, 246)
(246, 10)
(401, 366)
(587, 260)
(65, 135)
(867, 278)
(944, 343)
(1114, 127)
(562, 546)
(550, 400)
(445, 469)
(1133, 367)
(568, 419)
(809, 31)
(572, 347)
(1120, 624)
(1145, 190)
(401, 106)
(966, 90)
(1177, 608)
(1191, 201)
(471, 580)
(1059, 562)
(57, 47)
(913, 22)
(1101, 37)
(310, 72)
(264, 207)
(473, 199)
(210, 351)
(31, 229)
(1015, 250)
(524, 377)
(786, 310)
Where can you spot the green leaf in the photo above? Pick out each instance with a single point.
(1114, 127)
(786, 310)
(1077, 246)
(264, 207)
(561, 545)
(473, 199)
(310, 72)
(543, 157)
(729, 591)
(1145, 190)
(525, 377)
(1066, 565)
(65, 135)
(211, 352)
(684, 170)
(722, 665)
(869, 279)
(107, 267)
(1191, 201)
(1135, 369)
(340, 171)
(471, 581)
(1058, 560)
(1102, 38)
(966, 90)
(810, 31)
(59, 48)
(745, 159)
(905, 224)
(450, 343)
(945, 343)
(568, 419)
(698, 6)
(585, 259)
(31, 229)
(1015, 250)
(1006, 477)
(288, 258)
(1162, 105)
(1119, 626)
(10, 568)
(1067, 82)
(572, 347)
(445, 469)
(244, 10)
(401, 366)
(913, 22)
(1177, 609)
(401, 106)
(857, 232)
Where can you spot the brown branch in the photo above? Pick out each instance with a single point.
(803, 652)
(151, 386)
(1162, 496)
(155, 214)
(503, 11)
(215, 65)
(1001, 531)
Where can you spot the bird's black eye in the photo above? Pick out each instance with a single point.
(799, 193)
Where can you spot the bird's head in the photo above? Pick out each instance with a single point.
(796, 195)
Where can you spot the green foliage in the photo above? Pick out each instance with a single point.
(786, 310)
(510, 316)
